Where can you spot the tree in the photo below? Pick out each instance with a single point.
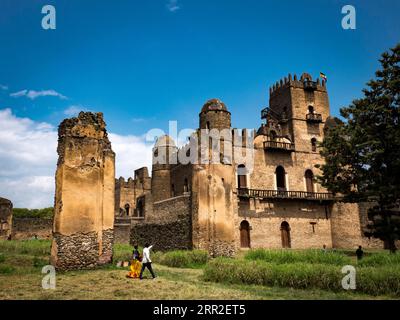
(362, 154)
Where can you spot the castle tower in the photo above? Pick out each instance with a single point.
(164, 157)
(212, 194)
(215, 115)
(301, 107)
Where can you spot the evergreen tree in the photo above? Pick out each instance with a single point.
(362, 153)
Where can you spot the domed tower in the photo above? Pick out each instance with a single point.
(164, 157)
(215, 115)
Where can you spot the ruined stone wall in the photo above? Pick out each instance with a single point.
(6, 219)
(168, 228)
(85, 194)
(30, 228)
(122, 230)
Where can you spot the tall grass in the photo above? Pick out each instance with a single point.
(31, 247)
(374, 281)
(305, 256)
(184, 259)
(381, 259)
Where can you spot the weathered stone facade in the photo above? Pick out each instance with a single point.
(170, 229)
(273, 202)
(85, 194)
(6, 214)
(32, 228)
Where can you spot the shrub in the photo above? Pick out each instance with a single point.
(184, 259)
(374, 281)
(2, 258)
(6, 269)
(306, 256)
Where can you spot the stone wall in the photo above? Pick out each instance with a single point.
(213, 209)
(169, 228)
(6, 207)
(310, 226)
(85, 194)
(122, 230)
(30, 228)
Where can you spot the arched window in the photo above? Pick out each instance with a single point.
(208, 125)
(156, 153)
(186, 186)
(244, 234)
(310, 109)
(285, 235)
(280, 178)
(273, 135)
(127, 209)
(242, 176)
(309, 181)
(314, 145)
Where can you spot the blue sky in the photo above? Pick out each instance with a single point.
(143, 63)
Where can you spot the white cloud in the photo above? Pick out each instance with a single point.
(74, 110)
(173, 6)
(28, 158)
(3, 87)
(32, 94)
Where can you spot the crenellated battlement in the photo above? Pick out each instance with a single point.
(296, 82)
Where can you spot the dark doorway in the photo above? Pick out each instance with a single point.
(242, 177)
(244, 234)
(309, 181)
(127, 209)
(285, 234)
(280, 178)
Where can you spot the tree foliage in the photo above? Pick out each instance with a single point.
(362, 154)
(46, 213)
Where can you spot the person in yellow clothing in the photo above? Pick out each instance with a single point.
(136, 264)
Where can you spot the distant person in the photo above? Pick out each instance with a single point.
(146, 261)
(136, 265)
(359, 253)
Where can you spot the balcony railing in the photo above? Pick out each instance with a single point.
(290, 195)
(314, 117)
(280, 146)
(310, 85)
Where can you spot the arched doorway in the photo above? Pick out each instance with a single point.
(244, 234)
(280, 178)
(309, 181)
(285, 234)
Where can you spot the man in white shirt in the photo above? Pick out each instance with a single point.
(146, 261)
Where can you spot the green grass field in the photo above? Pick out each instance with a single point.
(181, 275)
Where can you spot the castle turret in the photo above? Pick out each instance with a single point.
(215, 115)
(164, 157)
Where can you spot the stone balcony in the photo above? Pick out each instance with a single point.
(310, 85)
(279, 146)
(314, 117)
(285, 195)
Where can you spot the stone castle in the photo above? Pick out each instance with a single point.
(226, 189)
(224, 206)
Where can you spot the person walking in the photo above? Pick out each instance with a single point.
(135, 264)
(146, 261)
(359, 253)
